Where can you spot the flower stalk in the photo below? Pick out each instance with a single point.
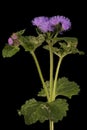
(40, 74)
(56, 77)
(51, 72)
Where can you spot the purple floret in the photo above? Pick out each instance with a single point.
(38, 21)
(10, 41)
(46, 27)
(42, 23)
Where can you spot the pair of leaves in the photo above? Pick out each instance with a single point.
(64, 88)
(34, 111)
(66, 45)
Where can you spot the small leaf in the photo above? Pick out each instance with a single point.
(69, 45)
(46, 47)
(26, 44)
(9, 51)
(67, 88)
(31, 43)
(42, 92)
(34, 111)
(21, 32)
(69, 40)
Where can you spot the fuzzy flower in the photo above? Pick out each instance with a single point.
(10, 41)
(46, 24)
(45, 27)
(38, 21)
(42, 23)
(65, 22)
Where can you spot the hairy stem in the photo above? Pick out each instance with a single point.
(56, 77)
(40, 74)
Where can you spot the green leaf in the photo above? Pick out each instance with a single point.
(67, 88)
(26, 44)
(42, 93)
(58, 110)
(34, 111)
(69, 45)
(64, 87)
(9, 51)
(70, 40)
(31, 43)
(65, 46)
(55, 50)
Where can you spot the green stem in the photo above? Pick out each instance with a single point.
(56, 34)
(40, 74)
(56, 77)
(51, 125)
(51, 72)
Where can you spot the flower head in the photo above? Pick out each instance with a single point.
(46, 27)
(38, 21)
(42, 23)
(10, 41)
(46, 24)
(65, 22)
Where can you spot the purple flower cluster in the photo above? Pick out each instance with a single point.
(12, 38)
(46, 24)
(42, 23)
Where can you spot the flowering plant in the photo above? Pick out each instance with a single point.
(49, 31)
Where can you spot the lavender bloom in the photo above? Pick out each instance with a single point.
(14, 36)
(65, 22)
(10, 41)
(42, 23)
(38, 21)
(45, 27)
(46, 24)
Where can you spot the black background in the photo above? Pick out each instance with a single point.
(19, 79)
